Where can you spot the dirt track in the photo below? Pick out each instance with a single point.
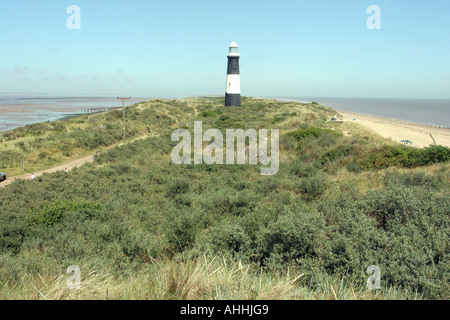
(69, 165)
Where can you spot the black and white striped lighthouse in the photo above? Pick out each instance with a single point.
(233, 89)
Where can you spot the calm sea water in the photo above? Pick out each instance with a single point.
(20, 110)
(432, 112)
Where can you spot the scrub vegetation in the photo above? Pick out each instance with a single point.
(140, 227)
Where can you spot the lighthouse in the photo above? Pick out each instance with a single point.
(233, 88)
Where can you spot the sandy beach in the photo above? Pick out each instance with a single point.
(420, 134)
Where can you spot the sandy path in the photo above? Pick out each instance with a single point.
(397, 130)
(69, 165)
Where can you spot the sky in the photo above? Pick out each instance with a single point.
(301, 48)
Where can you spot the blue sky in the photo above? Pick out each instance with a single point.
(307, 48)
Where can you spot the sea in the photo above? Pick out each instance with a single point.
(17, 110)
(435, 112)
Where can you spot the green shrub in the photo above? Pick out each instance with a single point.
(388, 156)
(402, 228)
(277, 119)
(178, 186)
(261, 217)
(181, 232)
(394, 179)
(293, 238)
(135, 244)
(22, 146)
(229, 237)
(310, 132)
(53, 213)
(211, 113)
(314, 186)
(336, 153)
(302, 169)
(58, 126)
(42, 155)
(13, 231)
(434, 154)
(226, 200)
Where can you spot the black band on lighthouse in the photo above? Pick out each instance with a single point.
(233, 65)
(232, 99)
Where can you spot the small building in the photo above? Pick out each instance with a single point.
(407, 143)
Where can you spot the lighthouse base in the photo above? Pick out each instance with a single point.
(232, 100)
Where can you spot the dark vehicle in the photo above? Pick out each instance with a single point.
(2, 177)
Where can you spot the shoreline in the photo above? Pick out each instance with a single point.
(342, 108)
(419, 124)
(422, 135)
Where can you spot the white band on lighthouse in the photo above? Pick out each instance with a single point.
(233, 84)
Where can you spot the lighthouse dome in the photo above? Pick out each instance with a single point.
(233, 50)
